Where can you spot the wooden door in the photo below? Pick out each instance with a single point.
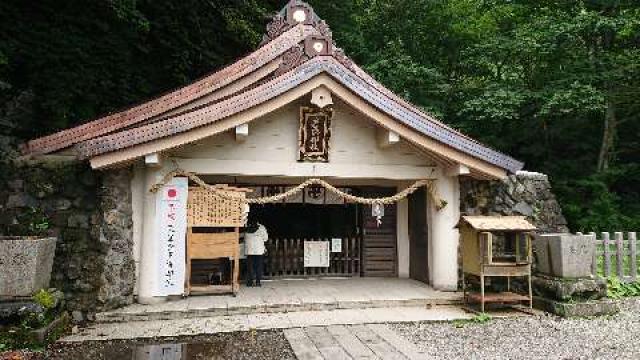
(418, 236)
(379, 244)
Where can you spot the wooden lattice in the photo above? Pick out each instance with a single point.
(206, 209)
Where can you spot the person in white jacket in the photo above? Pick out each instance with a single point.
(254, 238)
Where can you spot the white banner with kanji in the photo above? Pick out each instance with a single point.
(171, 225)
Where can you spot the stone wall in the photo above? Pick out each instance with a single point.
(116, 234)
(90, 214)
(526, 193)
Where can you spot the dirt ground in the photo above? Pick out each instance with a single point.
(252, 345)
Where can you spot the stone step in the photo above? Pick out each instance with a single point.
(338, 323)
(208, 306)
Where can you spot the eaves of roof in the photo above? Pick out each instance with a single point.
(174, 99)
(374, 94)
(251, 82)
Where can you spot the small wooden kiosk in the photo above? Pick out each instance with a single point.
(213, 223)
(496, 246)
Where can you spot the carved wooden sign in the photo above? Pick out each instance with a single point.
(314, 134)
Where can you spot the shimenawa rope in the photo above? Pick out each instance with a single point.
(429, 184)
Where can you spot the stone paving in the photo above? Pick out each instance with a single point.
(231, 323)
(291, 296)
(321, 319)
(337, 342)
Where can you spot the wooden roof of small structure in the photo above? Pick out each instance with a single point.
(498, 223)
(286, 61)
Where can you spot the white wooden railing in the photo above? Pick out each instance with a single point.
(615, 255)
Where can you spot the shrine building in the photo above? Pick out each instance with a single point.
(295, 109)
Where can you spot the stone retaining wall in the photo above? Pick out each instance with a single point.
(90, 214)
(525, 193)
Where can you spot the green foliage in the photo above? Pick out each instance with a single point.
(481, 318)
(617, 289)
(604, 209)
(45, 299)
(532, 78)
(83, 59)
(30, 222)
(19, 335)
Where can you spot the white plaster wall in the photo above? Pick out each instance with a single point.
(148, 269)
(402, 217)
(444, 237)
(275, 138)
(353, 143)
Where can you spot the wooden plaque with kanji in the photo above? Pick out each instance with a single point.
(314, 134)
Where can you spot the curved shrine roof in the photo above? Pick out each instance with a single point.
(298, 45)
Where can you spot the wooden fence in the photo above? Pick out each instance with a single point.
(285, 258)
(616, 255)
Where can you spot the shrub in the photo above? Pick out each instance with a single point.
(617, 289)
(45, 299)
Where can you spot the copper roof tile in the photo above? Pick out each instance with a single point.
(143, 123)
(323, 64)
(174, 99)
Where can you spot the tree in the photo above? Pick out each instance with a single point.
(553, 83)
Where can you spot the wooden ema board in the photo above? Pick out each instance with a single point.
(207, 210)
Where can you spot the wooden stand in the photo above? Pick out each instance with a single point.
(505, 297)
(217, 213)
(207, 246)
(479, 260)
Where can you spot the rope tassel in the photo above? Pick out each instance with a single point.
(430, 185)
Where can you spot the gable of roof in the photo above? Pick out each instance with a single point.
(293, 43)
(174, 99)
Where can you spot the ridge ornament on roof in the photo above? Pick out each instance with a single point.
(297, 48)
(294, 13)
(299, 12)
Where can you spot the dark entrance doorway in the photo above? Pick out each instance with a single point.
(367, 249)
(291, 225)
(418, 236)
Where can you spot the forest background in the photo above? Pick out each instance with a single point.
(555, 84)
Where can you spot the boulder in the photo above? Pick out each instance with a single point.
(569, 289)
(577, 309)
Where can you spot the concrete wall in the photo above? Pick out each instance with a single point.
(444, 236)
(147, 267)
(402, 233)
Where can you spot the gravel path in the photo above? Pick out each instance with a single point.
(537, 337)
